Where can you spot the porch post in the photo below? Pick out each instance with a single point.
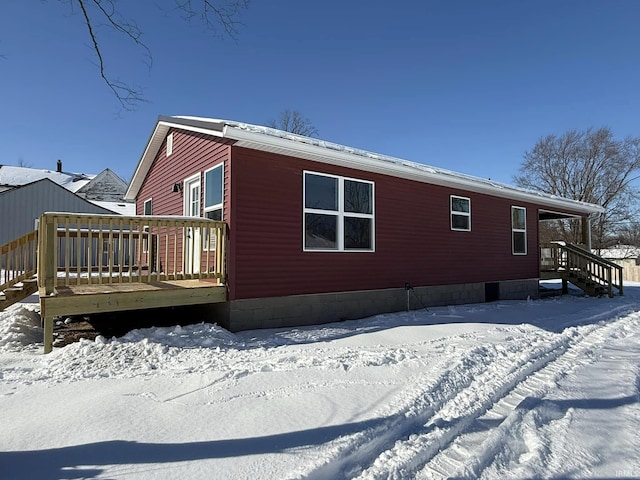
(586, 231)
(48, 334)
(47, 323)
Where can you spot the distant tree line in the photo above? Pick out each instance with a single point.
(590, 166)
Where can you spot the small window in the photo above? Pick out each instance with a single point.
(460, 213)
(338, 213)
(148, 207)
(519, 230)
(169, 144)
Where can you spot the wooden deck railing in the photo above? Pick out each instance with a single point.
(76, 249)
(18, 260)
(586, 267)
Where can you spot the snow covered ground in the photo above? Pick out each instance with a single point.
(530, 389)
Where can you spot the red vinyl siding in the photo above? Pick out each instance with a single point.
(192, 153)
(414, 242)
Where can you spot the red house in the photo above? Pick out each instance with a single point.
(320, 232)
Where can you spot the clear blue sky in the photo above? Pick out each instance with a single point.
(464, 85)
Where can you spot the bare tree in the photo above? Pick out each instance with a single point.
(590, 166)
(628, 234)
(293, 121)
(219, 16)
(22, 163)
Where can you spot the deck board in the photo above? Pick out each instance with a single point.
(96, 289)
(87, 299)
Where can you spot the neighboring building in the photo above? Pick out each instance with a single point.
(104, 187)
(25, 193)
(21, 206)
(12, 177)
(628, 257)
(320, 232)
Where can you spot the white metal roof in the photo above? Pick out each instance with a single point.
(277, 141)
(11, 176)
(620, 252)
(121, 208)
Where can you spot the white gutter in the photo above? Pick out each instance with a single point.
(285, 143)
(396, 167)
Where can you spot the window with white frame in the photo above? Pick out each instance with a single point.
(338, 213)
(169, 144)
(213, 191)
(519, 230)
(460, 213)
(147, 210)
(213, 195)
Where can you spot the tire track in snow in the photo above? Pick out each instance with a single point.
(528, 397)
(439, 413)
(420, 403)
(433, 453)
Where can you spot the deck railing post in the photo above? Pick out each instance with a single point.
(104, 249)
(46, 257)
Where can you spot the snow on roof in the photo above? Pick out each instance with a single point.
(620, 252)
(121, 208)
(11, 176)
(286, 143)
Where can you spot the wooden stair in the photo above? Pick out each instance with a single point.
(18, 292)
(593, 289)
(18, 260)
(589, 272)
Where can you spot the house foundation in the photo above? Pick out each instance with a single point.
(303, 310)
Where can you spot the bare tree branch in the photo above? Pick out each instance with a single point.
(589, 166)
(221, 19)
(22, 163)
(293, 121)
(128, 96)
(219, 16)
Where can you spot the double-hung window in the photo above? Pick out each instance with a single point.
(213, 186)
(519, 230)
(213, 195)
(460, 213)
(338, 213)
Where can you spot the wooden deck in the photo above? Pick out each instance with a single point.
(85, 299)
(88, 299)
(100, 263)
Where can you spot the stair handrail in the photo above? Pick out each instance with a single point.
(18, 260)
(591, 255)
(603, 271)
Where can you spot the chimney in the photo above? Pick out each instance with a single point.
(59, 166)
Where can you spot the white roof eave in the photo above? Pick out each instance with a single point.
(163, 125)
(399, 168)
(276, 141)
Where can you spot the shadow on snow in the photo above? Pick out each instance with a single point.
(88, 460)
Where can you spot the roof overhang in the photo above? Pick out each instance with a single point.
(284, 143)
(163, 125)
(544, 214)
